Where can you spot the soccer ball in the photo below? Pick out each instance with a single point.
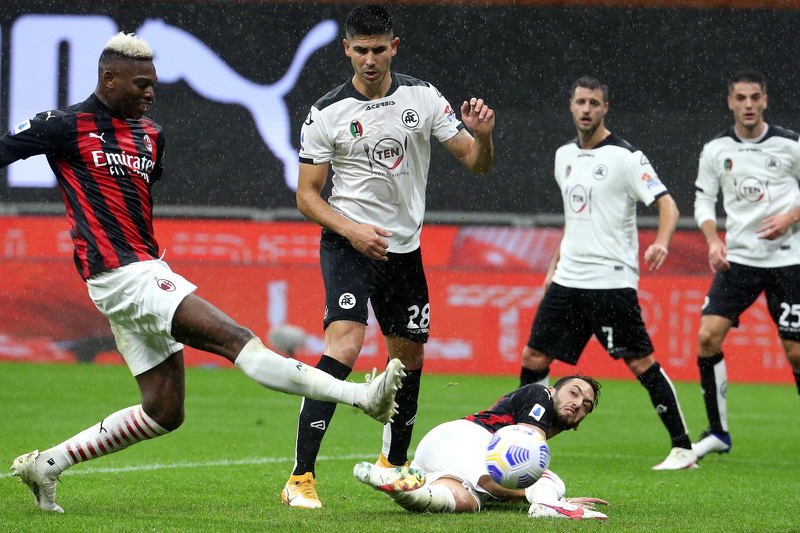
(516, 457)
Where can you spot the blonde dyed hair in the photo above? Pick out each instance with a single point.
(129, 46)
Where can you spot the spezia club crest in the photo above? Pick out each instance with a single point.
(600, 172)
(410, 118)
(356, 129)
(773, 163)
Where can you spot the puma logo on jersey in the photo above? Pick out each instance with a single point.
(49, 116)
(96, 136)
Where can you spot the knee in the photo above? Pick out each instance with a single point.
(534, 359)
(465, 503)
(709, 341)
(168, 416)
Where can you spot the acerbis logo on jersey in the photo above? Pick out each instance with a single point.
(165, 285)
(578, 198)
(410, 118)
(750, 189)
(356, 129)
(537, 412)
(388, 153)
(773, 164)
(347, 300)
(378, 105)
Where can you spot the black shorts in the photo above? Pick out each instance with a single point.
(734, 290)
(567, 318)
(397, 288)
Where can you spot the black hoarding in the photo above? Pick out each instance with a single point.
(237, 79)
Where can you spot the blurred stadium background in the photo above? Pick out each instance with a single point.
(236, 82)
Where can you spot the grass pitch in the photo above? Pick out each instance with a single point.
(224, 469)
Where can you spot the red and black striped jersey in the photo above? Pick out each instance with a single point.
(105, 166)
(531, 404)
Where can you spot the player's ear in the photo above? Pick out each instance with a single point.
(346, 44)
(395, 44)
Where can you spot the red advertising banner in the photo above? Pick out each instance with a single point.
(485, 286)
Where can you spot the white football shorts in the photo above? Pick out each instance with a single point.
(139, 301)
(456, 450)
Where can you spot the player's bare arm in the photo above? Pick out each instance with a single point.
(668, 215)
(365, 238)
(475, 151)
(777, 225)
(717, 250)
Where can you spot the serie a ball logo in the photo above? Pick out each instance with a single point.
(516, 457)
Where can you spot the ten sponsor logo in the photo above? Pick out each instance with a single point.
(578, 198)
(751, 189)
(165, 285)
(388, 153)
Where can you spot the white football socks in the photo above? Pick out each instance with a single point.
(287, 375)
(116, 432)
(549, 488)
(431, 498)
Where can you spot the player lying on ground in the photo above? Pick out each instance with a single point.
(449, 475)
(106, 156)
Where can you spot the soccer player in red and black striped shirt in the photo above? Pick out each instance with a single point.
(106, 156)
(450, 458)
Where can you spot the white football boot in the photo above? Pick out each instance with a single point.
(710, 443)
(43, 487)
(562, 509)
(678, 459)
(381, 391)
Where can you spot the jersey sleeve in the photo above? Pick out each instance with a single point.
(158, 168)
(706, 189)
(43, 134)
(445, 123)
(644, 182)
(532, 404)
(316, 146)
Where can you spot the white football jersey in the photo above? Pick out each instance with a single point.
(379, 151)
(758, 179)
(600, 188)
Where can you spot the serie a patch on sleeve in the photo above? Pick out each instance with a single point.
(22, 126)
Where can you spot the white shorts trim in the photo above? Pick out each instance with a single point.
(456, 450)
(139, 301)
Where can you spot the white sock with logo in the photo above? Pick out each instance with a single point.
(549, 488)
(288, 375)
(431, 498)
(115, 433)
